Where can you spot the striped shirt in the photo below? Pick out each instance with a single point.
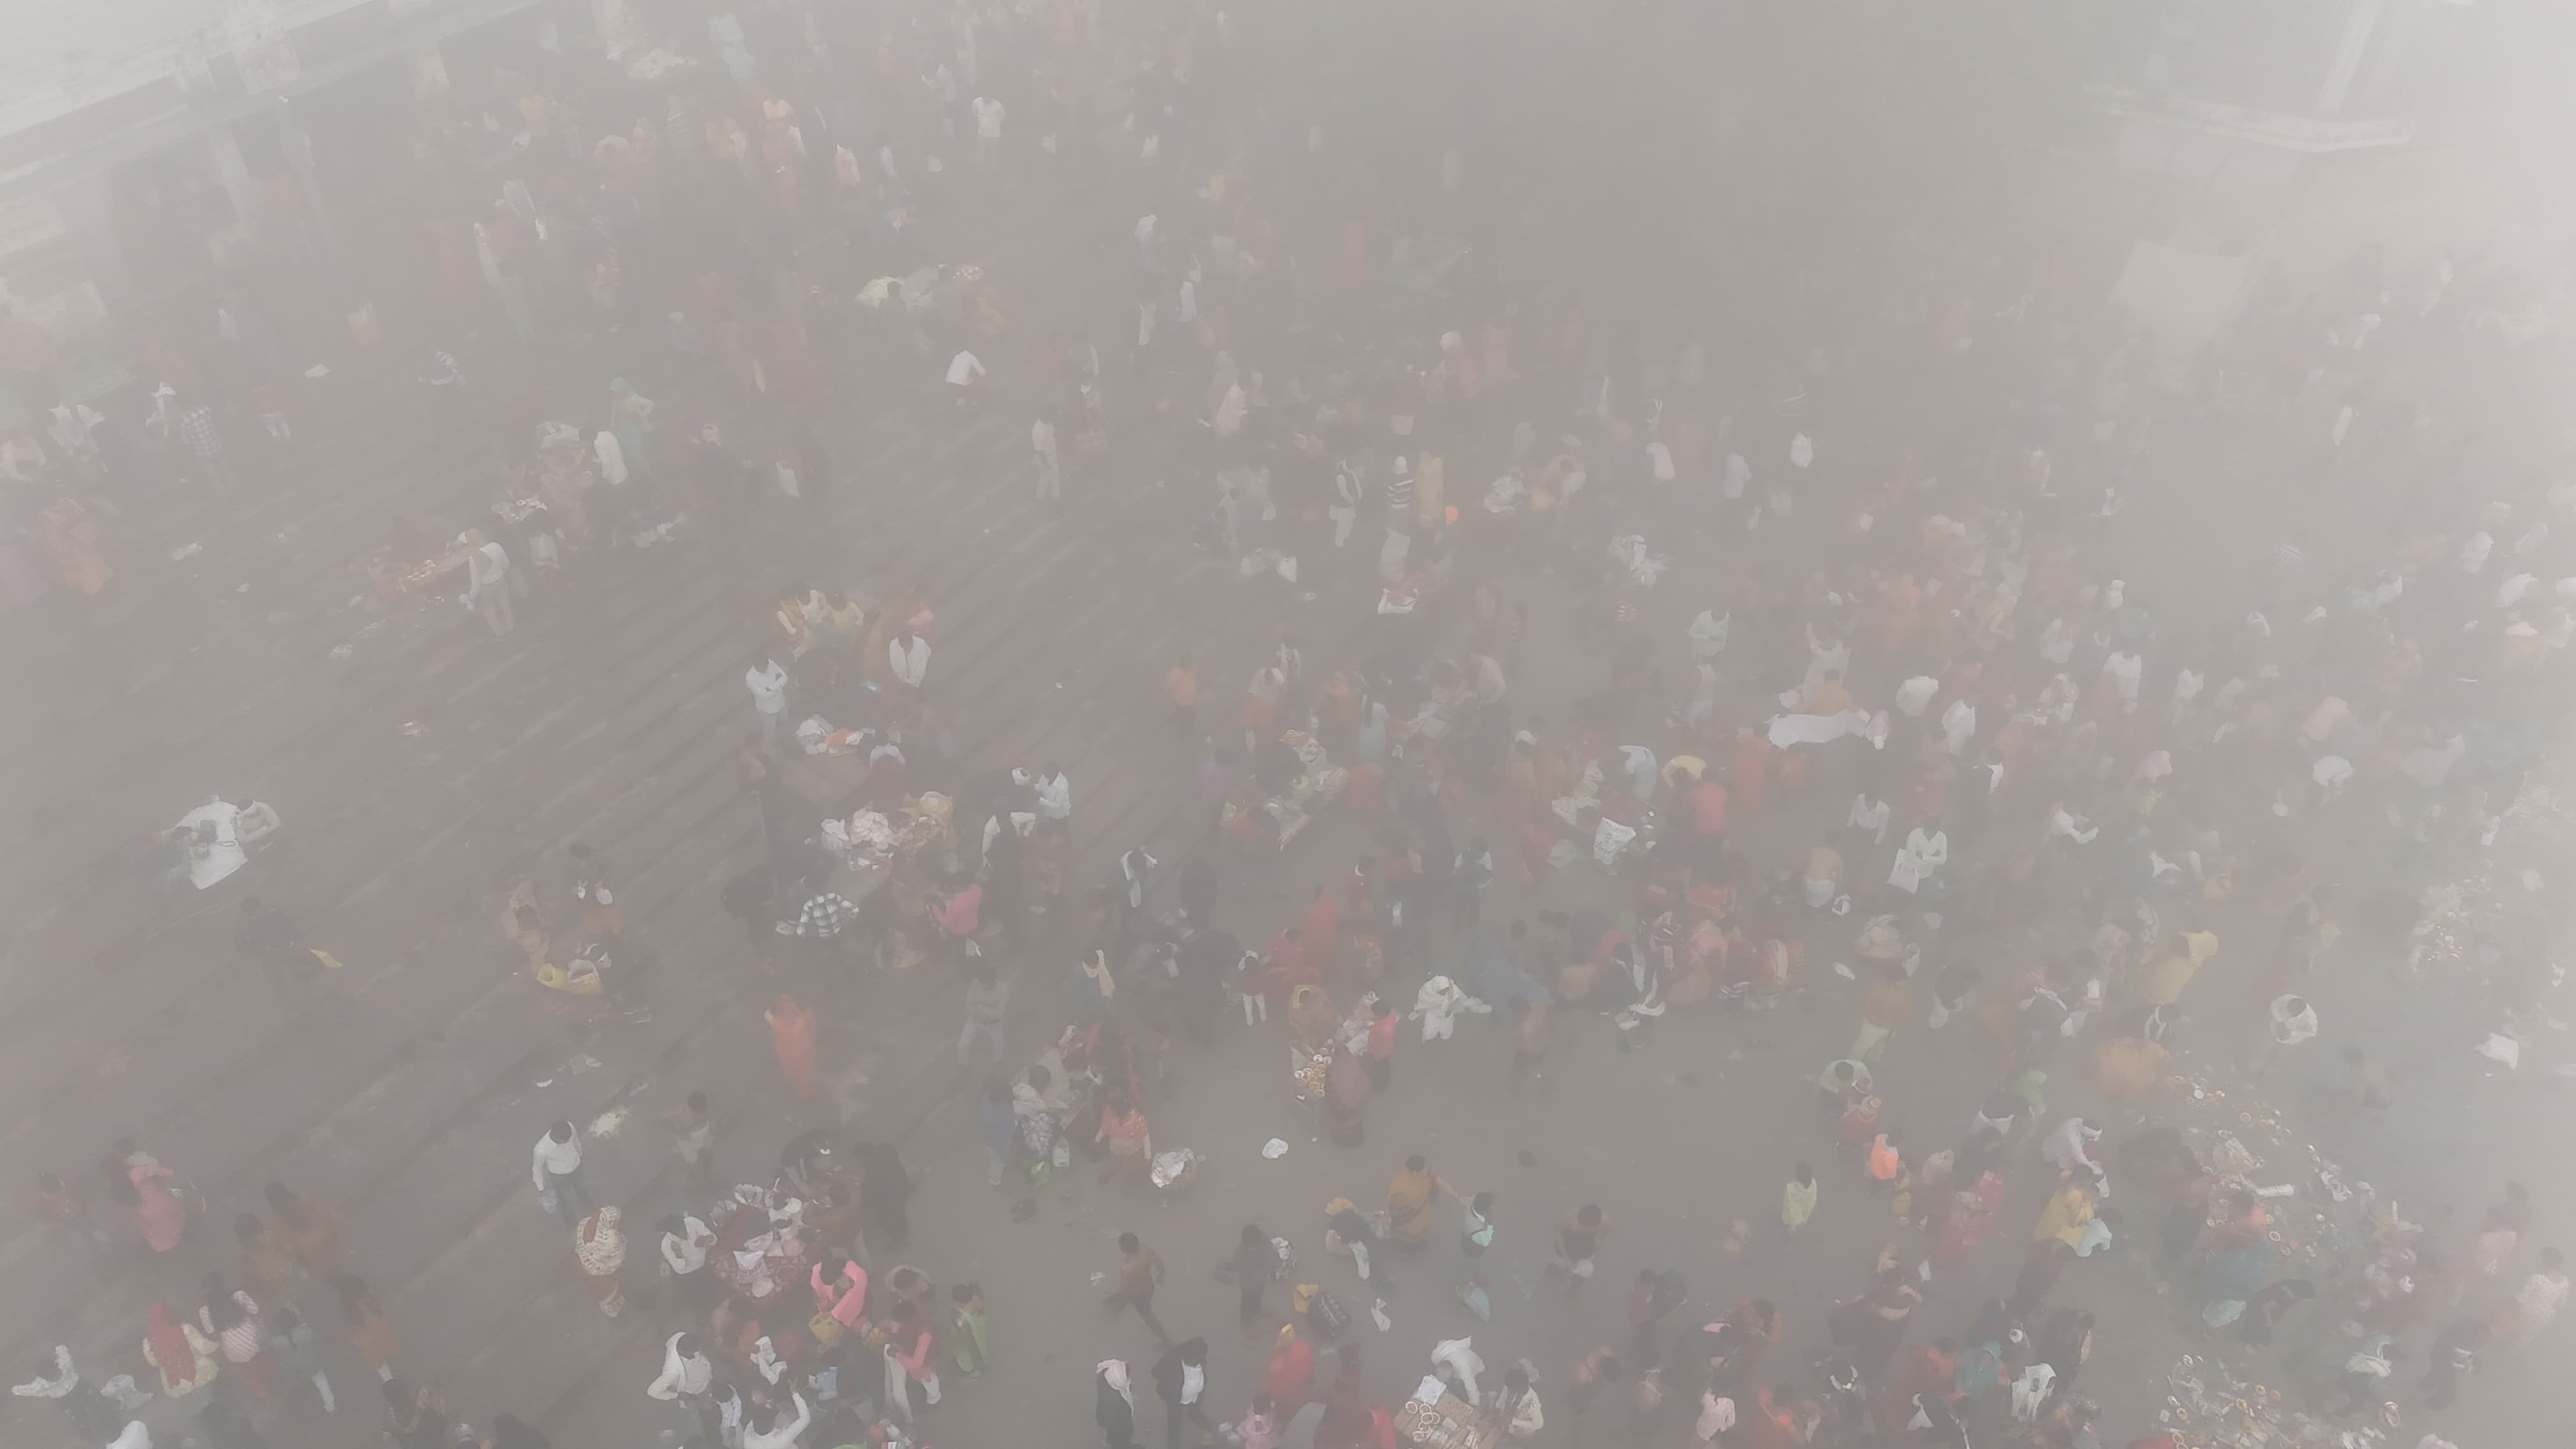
(825, 916)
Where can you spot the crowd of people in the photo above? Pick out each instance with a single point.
(1867, 730)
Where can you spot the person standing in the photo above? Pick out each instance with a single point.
(767, 681)
(1140, 1272)
(370, 1332)
(556, 1170)
(1885, 1007)
(290, 1338)
(989, 115)
(1591, 1372)
(988, 1001)
(1050, 463)
(685, 1241)
(791, 1029)
(1180, 1380)
(205, 443)
(687, 1374)
(2292, 1021)
(487, 586)
(1113, 1404)
(908, 657)
(693, 1136)
(1578, 1242)
(1181, 687)
(600, 1249)
(1254, 1261)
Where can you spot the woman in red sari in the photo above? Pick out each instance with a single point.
(1290, 1372)
(1972, 1216)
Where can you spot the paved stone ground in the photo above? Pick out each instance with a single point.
(407, 1089)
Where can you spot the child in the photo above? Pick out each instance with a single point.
(968, 1345)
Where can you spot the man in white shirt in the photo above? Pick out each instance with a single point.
(908, 655)
(2292, 1022)
(1055, 795)
(1958, 725)
(1050, 466)
(487, 587)
(989, 116)
(556, 1169)
(767, 681)
(1916, 693)
(1868, 817)
(966, 375)
(686, 1370)
(209, 835)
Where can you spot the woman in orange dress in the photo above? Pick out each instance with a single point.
(791, 1028)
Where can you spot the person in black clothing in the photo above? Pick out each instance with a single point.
(1180, 1378)
(268, 936)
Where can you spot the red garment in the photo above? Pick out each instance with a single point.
(1707, 802)
(1321, 927)
(1751, 763)
(1292, 1367)
(1766, 1427)
(1381, 1037)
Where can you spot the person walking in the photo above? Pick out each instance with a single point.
(556, 1170)
(1140, 1272)
(687, 1374)
(370, 1332)
(1254, 1262)
(1180, 1380)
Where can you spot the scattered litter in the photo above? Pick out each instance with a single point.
(2502, 1048)
(1845, 972)
(581, 1064)
(545, 1081)
(1275, 1148)
(1377, 1315)
(318, 371)
(186, 551)
(340, 652)
(608, 1123)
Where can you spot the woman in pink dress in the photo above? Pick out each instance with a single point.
(135, 1180)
